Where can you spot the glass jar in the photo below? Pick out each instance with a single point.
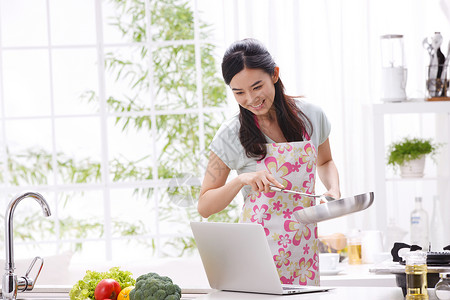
(442, 288)
(354, 250)
(416, 275)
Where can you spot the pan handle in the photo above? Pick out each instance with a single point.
(323, 198)
(276, 189)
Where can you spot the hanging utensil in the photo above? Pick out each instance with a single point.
(444, 71)
(427, 44)
(440, 56)
(429, 47)
(434, 65)
(447, 59)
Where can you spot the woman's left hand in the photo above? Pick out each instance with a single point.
(333, 193)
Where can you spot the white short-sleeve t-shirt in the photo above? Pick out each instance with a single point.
(227, 146)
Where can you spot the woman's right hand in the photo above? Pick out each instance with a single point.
(260, 181)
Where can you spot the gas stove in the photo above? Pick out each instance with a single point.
(434, 258)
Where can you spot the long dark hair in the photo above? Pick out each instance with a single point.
(251, 54)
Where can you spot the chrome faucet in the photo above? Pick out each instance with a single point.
(11, 284)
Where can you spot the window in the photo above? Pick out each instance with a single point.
(99, 102)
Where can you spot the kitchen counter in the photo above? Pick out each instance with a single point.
(339, 293)
(350, 282)
(335, 294)
(358, 275)
(189, 274)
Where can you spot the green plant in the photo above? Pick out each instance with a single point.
(408, 149)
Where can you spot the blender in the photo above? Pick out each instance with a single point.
(393, 70)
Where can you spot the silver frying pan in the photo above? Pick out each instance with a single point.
(334, 209)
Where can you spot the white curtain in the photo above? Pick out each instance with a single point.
(329, 51)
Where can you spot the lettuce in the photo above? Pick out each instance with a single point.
(84, 289)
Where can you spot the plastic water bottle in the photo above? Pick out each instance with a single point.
(437, 225)
(419, 225)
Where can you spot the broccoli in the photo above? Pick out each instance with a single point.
(151, 286)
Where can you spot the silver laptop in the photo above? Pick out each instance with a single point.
(237, 257)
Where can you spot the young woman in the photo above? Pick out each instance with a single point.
(275, 140)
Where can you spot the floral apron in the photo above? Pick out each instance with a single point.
(294, 246)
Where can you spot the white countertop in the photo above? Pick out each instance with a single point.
(351, 282)
(358, 275)
(189, 274)
(339, 293)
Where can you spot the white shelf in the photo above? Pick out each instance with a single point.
(379, 112)
(434, 178)
(413, 106)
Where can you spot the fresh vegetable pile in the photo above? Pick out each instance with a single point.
(85, 289)
(119, 285)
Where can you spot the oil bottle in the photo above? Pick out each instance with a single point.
(416, 275)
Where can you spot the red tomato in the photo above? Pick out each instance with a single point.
(107, 289)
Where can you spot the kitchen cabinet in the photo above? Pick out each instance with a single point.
(390, 188)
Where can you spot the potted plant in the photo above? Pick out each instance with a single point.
(409, 154)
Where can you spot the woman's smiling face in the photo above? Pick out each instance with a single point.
(254, 89)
